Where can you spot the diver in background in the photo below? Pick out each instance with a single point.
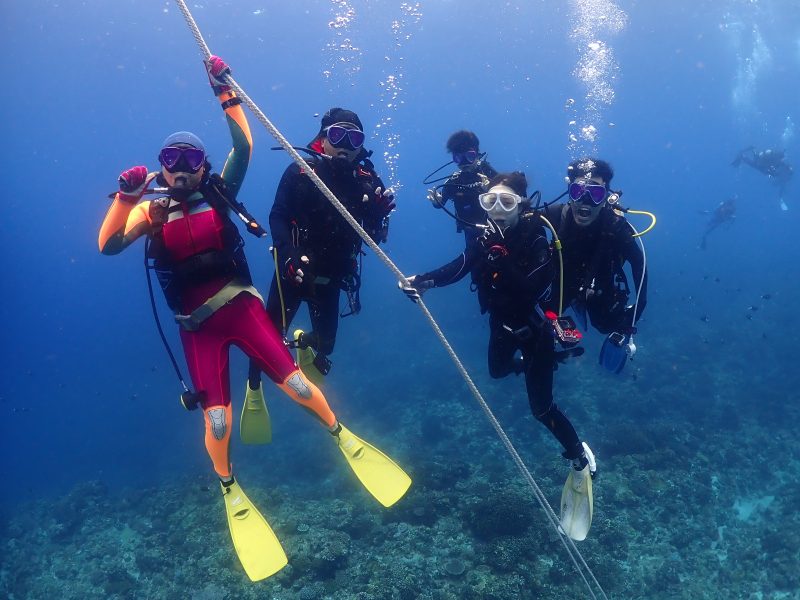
(511, 263)
(597, 241)
(464, 186)
(771, 163)
(723, 214)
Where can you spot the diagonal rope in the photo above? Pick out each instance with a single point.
(568, 543)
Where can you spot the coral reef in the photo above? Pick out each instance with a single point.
(689, 503)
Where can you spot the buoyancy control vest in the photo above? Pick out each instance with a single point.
(194, 241)
(595, 274)
(463, 188)
(320, 231)
(499, 293)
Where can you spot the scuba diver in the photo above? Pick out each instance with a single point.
(317, 253)
(199, 259)
(723, 214)
(514, 275)
(771, 163)
(597, 241)
(465, 185)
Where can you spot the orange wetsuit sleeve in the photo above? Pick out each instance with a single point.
(124, 224)
(238, 158)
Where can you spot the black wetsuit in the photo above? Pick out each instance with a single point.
(594, 280)
(462, 189)
(509, 288)
(771, 163)
(725, 213)
(304, 223)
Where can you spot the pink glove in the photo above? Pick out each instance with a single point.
(218, 69)
(132, 184)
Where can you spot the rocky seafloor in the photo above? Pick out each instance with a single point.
(697, 497)
(684, 509)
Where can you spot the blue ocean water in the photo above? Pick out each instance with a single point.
(696, 439)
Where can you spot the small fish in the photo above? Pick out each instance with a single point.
(716, 279)
(749, 317)
(766, 296)
(705, 319)
(752, 308)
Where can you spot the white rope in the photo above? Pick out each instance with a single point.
(569, 544)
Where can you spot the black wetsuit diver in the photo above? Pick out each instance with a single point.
(771, 163)
(462, 188)
(318, 252)
(724, 213)
(514, 275)
(594, 279)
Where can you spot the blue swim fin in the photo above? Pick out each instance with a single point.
(613, 354)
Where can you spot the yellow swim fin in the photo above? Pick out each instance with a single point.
(258, 548)
(577, 504)
(377, 472)
(254, 425)
(305, 360)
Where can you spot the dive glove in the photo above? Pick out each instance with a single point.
(435, 198)
(218, 70)
(133, 183)
(384, 201)
(293, 269)
(415, 287)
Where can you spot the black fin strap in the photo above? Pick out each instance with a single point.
(235, 101)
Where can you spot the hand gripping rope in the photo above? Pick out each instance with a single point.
(569, 544)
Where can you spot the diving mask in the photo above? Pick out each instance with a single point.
(586, 190)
